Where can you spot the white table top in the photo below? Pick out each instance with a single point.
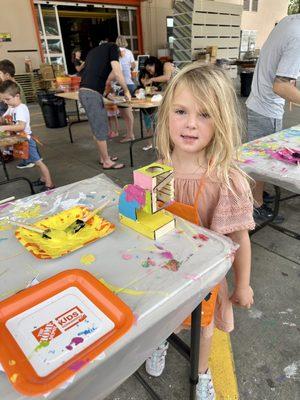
(256, 161)
(159, 298)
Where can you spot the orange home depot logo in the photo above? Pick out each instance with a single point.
(46, 332)
(70, 318)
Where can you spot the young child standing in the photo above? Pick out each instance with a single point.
(198, 134)
(112, 113)
(21, 123)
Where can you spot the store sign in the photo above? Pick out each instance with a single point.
(5, 37)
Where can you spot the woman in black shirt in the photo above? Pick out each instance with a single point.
(77, 62)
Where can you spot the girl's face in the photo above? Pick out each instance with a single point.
(78, 54)
(191, 130)
(150, 69)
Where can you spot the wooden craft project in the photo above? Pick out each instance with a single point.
(50, 331)
(141, 203)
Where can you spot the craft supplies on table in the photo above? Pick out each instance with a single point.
(161, 281)
(60, 241)
(58, 325)
(261, 159)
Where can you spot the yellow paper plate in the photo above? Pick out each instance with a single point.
(62, 243)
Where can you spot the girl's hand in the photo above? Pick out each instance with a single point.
(242, 296)
(147, 82)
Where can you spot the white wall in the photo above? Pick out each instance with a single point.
(16, 18)
(269, 12)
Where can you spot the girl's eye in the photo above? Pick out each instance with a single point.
(204, 115)
(179, 111)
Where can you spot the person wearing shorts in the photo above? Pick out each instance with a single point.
(101, 62)
(274, 79)
(19, 114)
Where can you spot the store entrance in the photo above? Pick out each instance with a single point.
(84, 28)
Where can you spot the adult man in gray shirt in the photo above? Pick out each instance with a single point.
(274, 79)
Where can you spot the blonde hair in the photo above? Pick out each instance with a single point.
(215, 95)
(121, 41)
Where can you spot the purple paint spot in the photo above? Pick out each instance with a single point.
(5, 205)
(75, 341)
(167, 254)
(77, 365)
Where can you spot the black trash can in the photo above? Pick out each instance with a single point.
(53, 109)
(246, 82)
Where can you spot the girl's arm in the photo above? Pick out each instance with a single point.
(168, 69)
(18, 127)
(243, 294)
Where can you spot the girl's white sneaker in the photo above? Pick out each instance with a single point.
(205, 388)
(155, 364)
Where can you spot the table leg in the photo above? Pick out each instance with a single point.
(77, 110)
(4, 167)
(141, 123)
(195, 349)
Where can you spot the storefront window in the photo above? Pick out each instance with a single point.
(124, 22)
(50, 22)
(133, 23)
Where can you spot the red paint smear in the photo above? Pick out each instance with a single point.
(201, 236)
(127, 256)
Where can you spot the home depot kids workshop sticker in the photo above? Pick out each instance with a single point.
(55, 330)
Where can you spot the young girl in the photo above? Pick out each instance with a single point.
(198, 133)
(112, 113)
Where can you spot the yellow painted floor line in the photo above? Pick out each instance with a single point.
(222, 367)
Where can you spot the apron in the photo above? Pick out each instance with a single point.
(191, 214)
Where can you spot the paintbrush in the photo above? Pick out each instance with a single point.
(78, 224)
(44, 232)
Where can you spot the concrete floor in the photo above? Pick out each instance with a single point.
(266, 339)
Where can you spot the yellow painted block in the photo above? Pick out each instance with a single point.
(153, 226)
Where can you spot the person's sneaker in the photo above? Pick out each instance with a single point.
(155, 364)
(25, 164)
(268, 198)
(263, 213)
(46, 188)
(38, 182)
(148, 147)
(205, 388)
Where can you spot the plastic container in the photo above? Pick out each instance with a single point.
(53, 109)
(64, 83)
(246, 82)
(75, 83)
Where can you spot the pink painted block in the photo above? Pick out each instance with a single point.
(142, 180)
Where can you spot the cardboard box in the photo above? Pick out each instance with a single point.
(47, 71)
(212, 50)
